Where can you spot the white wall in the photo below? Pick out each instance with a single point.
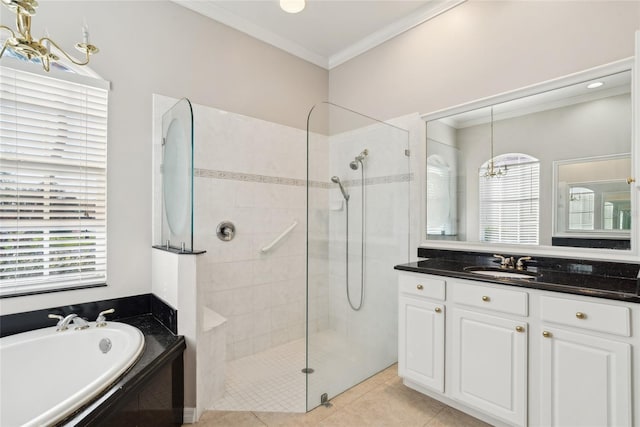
(151, 47)
(481, 48)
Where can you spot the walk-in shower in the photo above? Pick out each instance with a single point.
(357, 230)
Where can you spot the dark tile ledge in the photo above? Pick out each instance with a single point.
(610, 280)
(160, 347)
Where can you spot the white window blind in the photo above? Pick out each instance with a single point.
(509, 204)
(53, 144)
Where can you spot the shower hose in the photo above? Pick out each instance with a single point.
(362, 239)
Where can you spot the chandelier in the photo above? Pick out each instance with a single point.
(492, 170)
(22, 43)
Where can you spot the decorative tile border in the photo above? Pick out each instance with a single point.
(265, 179)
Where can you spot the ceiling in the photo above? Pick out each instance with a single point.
(327, 32)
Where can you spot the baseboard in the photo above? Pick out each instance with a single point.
(189, 416)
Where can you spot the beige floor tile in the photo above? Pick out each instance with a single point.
(378, 401)
(311, 418)
(355, 392)
(388, 405)
(228, 419)
(386, 376)
(452, 417)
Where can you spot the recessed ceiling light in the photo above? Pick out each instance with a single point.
(594, 85)
(292, 6)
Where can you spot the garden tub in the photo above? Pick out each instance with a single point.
(48, 375)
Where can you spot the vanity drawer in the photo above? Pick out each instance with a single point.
(422, 285)
(496, 299)
(595, 316)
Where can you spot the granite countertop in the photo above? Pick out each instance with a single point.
(160, 346)
(617, 281)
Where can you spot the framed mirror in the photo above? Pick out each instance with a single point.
(499, 170)
(592, 202)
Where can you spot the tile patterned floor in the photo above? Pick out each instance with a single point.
(382, 400)
(268, 381)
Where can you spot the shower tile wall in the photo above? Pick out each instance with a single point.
(251, 172)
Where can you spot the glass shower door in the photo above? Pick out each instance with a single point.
(357, 230)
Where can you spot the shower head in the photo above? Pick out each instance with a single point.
(359, 158)
(336, 180)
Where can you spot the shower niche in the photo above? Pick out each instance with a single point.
(175, 180)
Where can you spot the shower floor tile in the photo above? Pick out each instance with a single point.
(270, 381)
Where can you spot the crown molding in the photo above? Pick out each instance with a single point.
(217, 13)
(390, 31)
(232, 20)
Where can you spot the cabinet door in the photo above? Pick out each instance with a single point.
(489, 364)
(421, 342)
(585, 380)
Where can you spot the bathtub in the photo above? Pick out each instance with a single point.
(47, 375)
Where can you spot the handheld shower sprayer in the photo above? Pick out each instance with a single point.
(336, 180)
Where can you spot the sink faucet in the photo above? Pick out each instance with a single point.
(520, 264)
(505, 262)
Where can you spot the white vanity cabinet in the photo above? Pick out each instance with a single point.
(518, 356)
(421, 326)
(585, 375)
(489, 350)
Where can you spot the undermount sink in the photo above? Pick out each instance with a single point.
(501, 273)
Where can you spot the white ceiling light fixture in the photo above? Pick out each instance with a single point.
(292, 6)
(594, 85)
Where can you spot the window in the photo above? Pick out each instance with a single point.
(509, 204)
(53, 143)
(438, 196)
(582, 208)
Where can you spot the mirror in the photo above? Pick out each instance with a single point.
(592, 202)
(501, 172)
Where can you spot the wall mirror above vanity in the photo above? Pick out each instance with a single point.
(549, 166)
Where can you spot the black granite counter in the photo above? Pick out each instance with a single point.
(160, 347)
(610, 280)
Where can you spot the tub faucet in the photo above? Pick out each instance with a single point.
(101, 320)
(63, 322)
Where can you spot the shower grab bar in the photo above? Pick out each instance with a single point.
(280, 237)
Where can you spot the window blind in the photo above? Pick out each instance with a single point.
(53, 145)
(509, 204)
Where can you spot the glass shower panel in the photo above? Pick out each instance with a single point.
(358, 229)
(177, 177)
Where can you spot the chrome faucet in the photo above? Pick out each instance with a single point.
(101, 320)
(63, 322)
(520, 264)
(505, 262)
